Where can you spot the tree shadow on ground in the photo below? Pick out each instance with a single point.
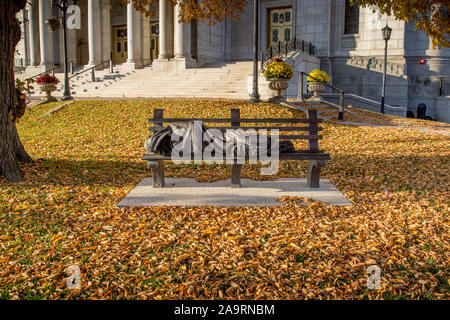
(400, 172)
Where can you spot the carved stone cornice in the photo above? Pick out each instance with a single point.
(375, 64)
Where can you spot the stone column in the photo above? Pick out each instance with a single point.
(131, 30)
(170, 30)
(163, 12)
(182, 42)
(33, 13)
(146, 43)
(179, 35)
(134, 37)
(94, 31)
(138, 40)
(106, 30)
(46, 43)
(142, 39)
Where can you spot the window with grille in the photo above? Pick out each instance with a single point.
(351, 18)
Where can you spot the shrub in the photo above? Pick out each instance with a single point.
(46, 78)
(21, 100)
(278, 70)
(319, 75)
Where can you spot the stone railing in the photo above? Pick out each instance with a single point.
(281, 48)
(375, 64)
(364, 103)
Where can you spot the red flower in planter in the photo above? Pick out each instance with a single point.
(272, 60)
(46, 78)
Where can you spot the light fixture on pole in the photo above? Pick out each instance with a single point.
(254, 97)
(62, 5)
(386, 36)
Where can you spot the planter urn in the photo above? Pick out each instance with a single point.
(278, 85)
(316, 88)
(48, 88)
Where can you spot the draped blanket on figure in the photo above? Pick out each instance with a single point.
(196, 137)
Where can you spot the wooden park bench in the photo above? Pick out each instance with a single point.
(315, 157)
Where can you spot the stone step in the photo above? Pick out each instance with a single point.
(130, 84)
(228, 81)
(154, 95)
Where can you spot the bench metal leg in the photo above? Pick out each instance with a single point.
(157, 168)
(236, 175)
(313, 178)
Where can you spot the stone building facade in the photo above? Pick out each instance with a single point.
(347, 40)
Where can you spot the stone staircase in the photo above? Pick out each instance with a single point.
(227, 81)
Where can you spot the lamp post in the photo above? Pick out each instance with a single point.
(386, 36)
(254, 97)
(62, 5)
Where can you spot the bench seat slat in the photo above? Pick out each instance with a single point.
(283, 156)
(304, 156)
(221, 120)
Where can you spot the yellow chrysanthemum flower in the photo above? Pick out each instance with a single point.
(278, 70)
(319, 75)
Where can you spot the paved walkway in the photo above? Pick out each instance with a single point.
(410, 127)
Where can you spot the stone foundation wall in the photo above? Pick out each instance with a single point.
(364, 77)
(211, 43)
(442, 109)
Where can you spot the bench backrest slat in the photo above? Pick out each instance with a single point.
(155, 129)
(228, 120)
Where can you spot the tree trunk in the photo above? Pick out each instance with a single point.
(11, 149)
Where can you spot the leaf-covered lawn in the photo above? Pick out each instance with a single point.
(88, 158)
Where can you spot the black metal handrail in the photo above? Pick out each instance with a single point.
(52, 70)
(21, 62)
(342, 93)
(92, 69)
(282, 48)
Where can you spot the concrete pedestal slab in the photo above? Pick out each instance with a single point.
(190, 193)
